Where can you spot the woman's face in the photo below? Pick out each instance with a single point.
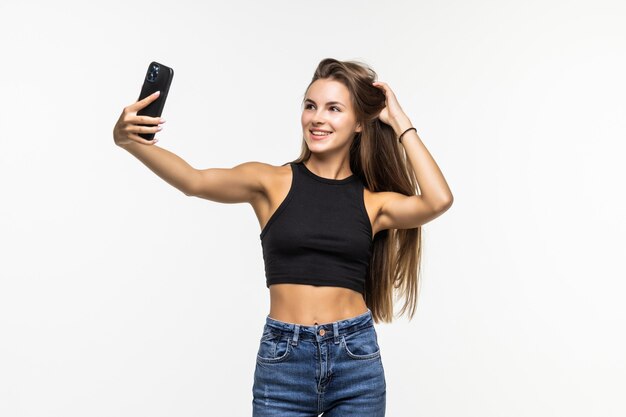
(327, 107)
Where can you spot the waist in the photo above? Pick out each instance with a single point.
(309, 304)
(321, 331)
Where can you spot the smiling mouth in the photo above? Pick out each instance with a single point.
(320, 136)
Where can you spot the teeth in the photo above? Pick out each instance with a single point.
(320, 133)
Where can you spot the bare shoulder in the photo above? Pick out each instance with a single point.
(373, 201)
(276, 183)
(275, 180)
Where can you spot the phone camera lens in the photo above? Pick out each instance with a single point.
(153, 73)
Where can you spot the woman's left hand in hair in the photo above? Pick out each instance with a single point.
(392, 113)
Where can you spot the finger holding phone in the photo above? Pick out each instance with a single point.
(130, 125)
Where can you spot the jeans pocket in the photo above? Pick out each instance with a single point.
(273, 347)
(362, 344)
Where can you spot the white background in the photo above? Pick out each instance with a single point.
(121, 296)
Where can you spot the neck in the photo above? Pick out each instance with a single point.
(334, 169)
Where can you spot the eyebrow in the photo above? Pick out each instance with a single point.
(327, 103)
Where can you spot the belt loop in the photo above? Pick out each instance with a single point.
(336, 332)
(296, 331)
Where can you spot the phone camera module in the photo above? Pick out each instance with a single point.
(153, 73)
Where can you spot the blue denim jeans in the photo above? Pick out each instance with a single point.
(330, 368)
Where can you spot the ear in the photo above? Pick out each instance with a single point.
(358, 128)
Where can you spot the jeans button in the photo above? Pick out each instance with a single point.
(322, 332)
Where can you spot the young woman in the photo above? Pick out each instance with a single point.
(340, 232)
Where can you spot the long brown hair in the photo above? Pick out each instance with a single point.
(381, 163)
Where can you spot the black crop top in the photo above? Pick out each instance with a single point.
(320, 234)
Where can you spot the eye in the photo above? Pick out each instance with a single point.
(306, 106)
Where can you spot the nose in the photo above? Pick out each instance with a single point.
(318, 118)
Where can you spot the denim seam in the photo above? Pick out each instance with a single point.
(274, 359)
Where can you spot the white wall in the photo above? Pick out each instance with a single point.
(119, 295)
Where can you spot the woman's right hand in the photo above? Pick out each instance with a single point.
(128, 127)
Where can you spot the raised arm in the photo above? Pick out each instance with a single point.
(165, 164)
(240, 184)
(243, 183)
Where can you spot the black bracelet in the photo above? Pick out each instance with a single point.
(400, 138)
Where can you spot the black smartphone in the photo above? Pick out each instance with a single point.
(158, 78)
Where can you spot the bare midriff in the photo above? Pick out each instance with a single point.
(309, 304)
